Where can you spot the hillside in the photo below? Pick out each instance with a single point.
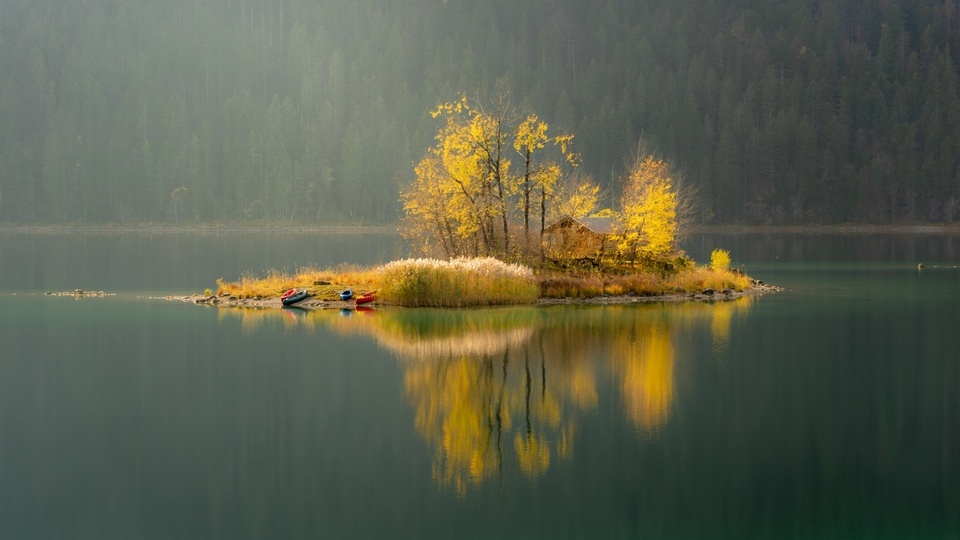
(314, 111)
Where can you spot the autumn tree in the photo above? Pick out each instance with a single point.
(647, 223)
(575, 196)
(539, 178)
(466, 197)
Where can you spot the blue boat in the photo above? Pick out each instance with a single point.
(293, 296)
(346, 295)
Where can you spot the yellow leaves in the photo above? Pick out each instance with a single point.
(533, 455)
(576, 199)
(644, 363)
(452, 108)
(648, 218)
(564, 141)
(530, 136)
(657, 213)
(482, 193)
(720, 259)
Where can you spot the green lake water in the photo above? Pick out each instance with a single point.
(829, 410)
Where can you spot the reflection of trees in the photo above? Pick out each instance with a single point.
(475, 411)
(643, 361)
(495, 389)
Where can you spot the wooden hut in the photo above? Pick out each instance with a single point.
(578, 238)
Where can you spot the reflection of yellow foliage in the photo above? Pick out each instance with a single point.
(720, 325)
(455, 411)
(583, 386)
(498, 388)
(723, 313)
(647, 379)
(467, 408)
(533, 455)
(565, 447)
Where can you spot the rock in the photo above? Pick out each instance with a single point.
(708, 292)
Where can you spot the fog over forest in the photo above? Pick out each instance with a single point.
(314, 111)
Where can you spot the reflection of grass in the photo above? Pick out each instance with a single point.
(433, 334)
(432, 323)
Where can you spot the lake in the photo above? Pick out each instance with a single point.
(829, 410)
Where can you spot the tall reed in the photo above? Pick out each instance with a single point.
(457, 283)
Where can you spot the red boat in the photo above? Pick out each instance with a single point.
(366, 297)
(293, 296)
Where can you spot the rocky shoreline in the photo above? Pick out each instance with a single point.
(758, 288)
(80, 293)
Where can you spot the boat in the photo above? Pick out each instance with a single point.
(293, 296)
(367, 297)
(346, 295)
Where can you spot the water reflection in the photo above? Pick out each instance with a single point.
(497, 390)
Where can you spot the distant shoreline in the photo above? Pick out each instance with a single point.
(197, 229)
(933, 228)
(849, 228)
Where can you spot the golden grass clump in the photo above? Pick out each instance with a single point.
(322, 284)
(250, 286)
(569, 286)
(457, 283)
(701, 278)
(593, 285)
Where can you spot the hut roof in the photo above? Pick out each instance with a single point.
(597, 225)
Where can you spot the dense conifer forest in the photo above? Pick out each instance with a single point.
(314, 111)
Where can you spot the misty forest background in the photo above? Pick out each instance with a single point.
(314, 111)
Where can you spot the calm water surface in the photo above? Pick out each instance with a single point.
(830, 410)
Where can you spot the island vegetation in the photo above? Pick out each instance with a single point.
(500, 215)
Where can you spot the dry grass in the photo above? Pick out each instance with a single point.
(477, 282)
(411, 282)
(322, 284)
(594, 284)
(699, 278)
(457, 283)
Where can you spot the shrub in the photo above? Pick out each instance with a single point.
(720, 260)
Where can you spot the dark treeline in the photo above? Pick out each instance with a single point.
(116, 111)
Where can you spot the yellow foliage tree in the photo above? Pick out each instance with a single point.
(647, 223)
(465, 196)
(529, 139)
(576, 197)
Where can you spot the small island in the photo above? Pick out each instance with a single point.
(473, 282)
(500, 215)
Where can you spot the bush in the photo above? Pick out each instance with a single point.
(720, 260)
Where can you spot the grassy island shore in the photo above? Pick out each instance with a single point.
(485, 281)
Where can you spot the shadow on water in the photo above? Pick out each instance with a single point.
(507, 388)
